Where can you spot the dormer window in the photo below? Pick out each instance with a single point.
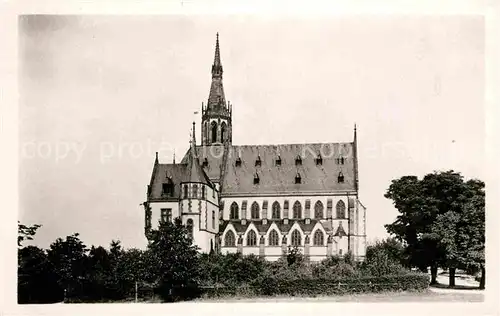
(341, 177)
(298, 179)
(238, 162)
(319, 160)
(256, 179)
(298, 161)
(205, 162)
(258, 162)
(168, 187)
(278, 161)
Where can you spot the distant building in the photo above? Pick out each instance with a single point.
(260, 199)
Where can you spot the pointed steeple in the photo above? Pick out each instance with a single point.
(196, 173)
(216, 98)
(216, 125)
(217, 66)
(156, 159)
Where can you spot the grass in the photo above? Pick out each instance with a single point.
(387, 297)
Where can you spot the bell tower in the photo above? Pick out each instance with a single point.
(216, 126)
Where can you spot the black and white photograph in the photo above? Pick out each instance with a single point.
(238, 158)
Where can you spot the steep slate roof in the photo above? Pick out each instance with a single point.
(195, 172)
(281, 179)
(177, 172)
(214, 155)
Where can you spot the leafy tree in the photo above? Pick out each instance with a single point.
(36, 277)
(425, 206)
(25, 232)
(98, 275)
(69, 260)
(462, 237)
(176, 261)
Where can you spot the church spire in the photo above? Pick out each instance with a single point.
(217, 66)
(216, 116)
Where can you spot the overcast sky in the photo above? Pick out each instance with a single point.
(99, 95)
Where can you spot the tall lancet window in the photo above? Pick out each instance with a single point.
(214, 132)
(222, 132)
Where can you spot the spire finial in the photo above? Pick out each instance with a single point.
(193, 139)
(174, 158)
(355, 133)
(156, 159)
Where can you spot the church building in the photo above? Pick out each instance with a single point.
(260, 199)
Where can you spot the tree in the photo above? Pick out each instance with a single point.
(176, 261)
(69, 260)
(26, 232)
(462, 237)
(36, 278)
(425, 207)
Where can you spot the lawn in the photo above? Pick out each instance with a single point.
(388, 297)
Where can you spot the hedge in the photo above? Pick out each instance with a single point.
(314, 286)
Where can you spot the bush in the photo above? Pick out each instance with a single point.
(314, 287)
(335, 267)
(380, 263)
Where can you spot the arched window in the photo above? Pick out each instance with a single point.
(340, 209)
(230, 239)
(195, 191)
(276, 214)
(296, 238)
(203, 193)
(234, 211)
(319, 238)
(189, 226)
(318, 210)
(274, 239)
(251, 238)
(185, 191)
(214, 132)
(297, 210)
(255, 210)
(222, 131)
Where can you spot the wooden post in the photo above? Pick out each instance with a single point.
(136, 291)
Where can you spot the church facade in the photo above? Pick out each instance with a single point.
(260, 199)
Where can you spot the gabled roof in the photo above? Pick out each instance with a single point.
(238, 180)
(176, 172)
(283, 228)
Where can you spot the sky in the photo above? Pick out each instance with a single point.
(99, 95)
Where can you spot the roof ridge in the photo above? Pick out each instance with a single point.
(291, 144)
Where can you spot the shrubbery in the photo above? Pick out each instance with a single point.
(172, 269)
(293, 275)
